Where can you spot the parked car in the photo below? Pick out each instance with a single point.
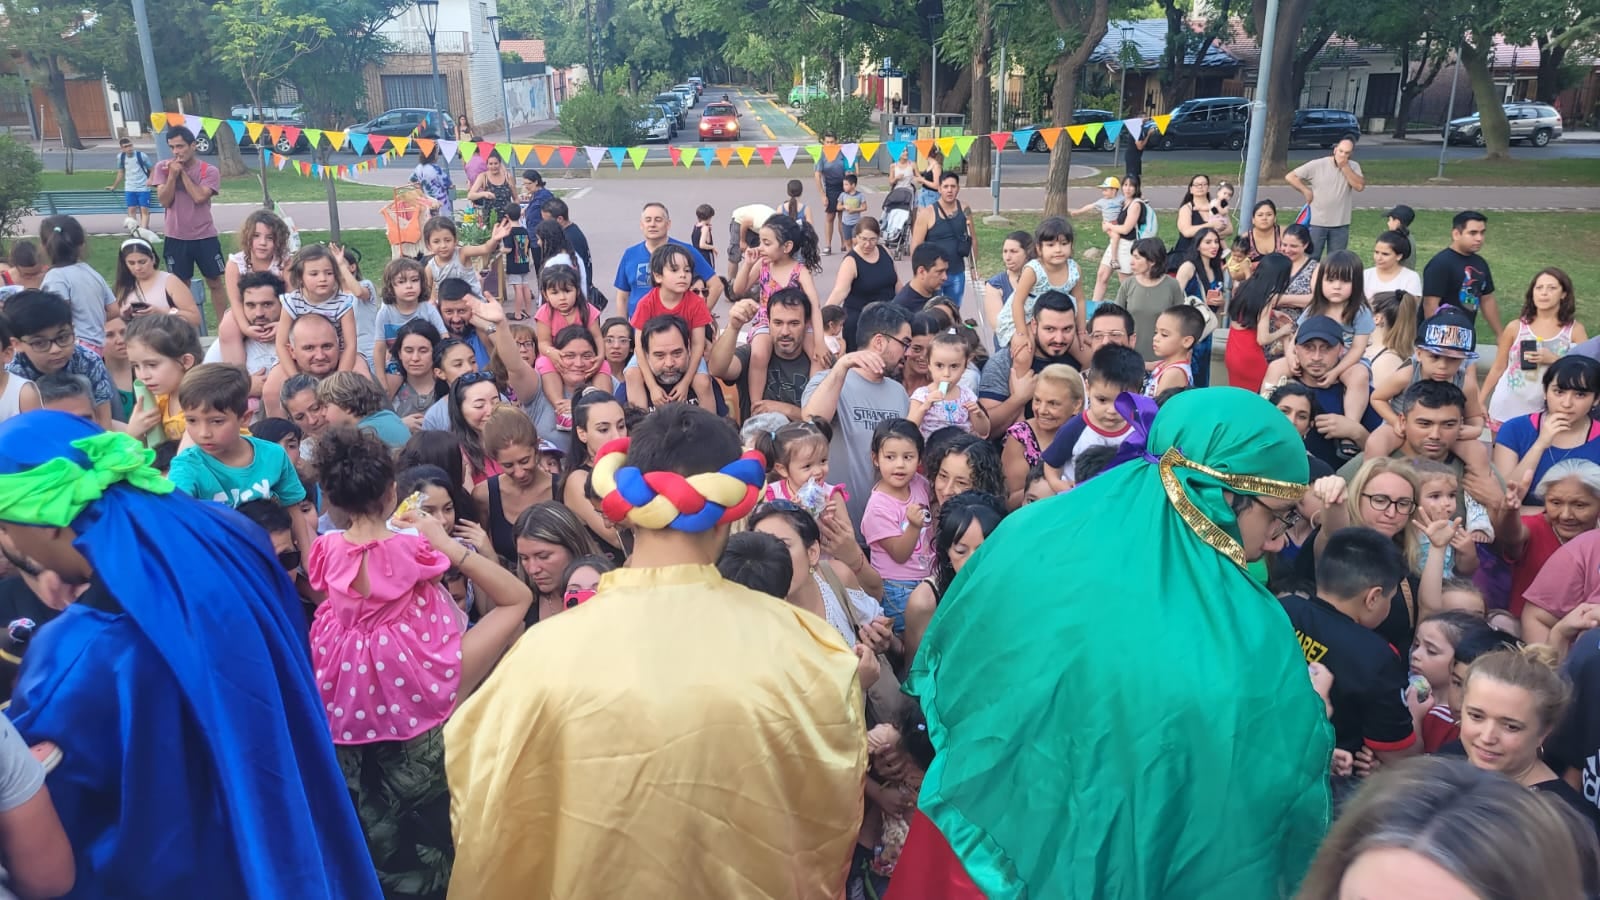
(206, 145)
(1205, 122)
(1323, 127)
(1536, 123)
(674, 102)
(247, 113)
(719, 121)
(1079, 117)
(656, 124)
(408, 121)
(698, 83)
(688, 93)
(800, 93)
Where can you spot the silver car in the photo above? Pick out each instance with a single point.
(1536, 123)
(656, 125)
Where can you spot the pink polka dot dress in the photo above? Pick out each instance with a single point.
(388, 663)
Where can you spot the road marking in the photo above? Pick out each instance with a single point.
(580, 193)
(770, 135)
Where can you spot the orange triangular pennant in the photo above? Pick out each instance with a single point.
(542, 152)
(1050, 135)
(924, 147)
(724, 153)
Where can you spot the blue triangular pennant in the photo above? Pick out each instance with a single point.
(358, 141)
(618, 154)
(1113, 131)
(1024, 138)
(237, 127)
(895, 149)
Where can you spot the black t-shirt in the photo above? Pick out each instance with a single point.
(1331, 400)
(1458, 280)
(22, 613)
(1576, 742)
(1558, 789)
(1132, 153)
(1400, 628)
(910, 300)
(786, 379)
(1369, 676)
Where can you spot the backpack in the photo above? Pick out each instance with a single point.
(139, 157)
(1149, 225)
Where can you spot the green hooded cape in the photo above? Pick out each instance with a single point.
(1119, 710)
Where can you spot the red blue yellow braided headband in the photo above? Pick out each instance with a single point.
(658, 500)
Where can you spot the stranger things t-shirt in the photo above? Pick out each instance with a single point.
(1369, 676)
(863, 403)
(1458, 280)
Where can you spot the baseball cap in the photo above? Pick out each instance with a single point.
(1111, 183)
(1404, 213)
(547, 447)
(1319, 328)
(1449, 332)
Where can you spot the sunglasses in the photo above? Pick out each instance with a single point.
(290, 560)
(472, 378)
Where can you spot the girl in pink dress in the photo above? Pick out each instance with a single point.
(390, 660)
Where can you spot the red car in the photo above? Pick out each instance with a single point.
(720, 121)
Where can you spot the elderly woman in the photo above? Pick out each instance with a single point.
(1570, 491)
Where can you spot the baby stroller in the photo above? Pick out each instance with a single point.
(898, 207)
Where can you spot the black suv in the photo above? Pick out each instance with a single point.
(1323, 127)
(1212, 122)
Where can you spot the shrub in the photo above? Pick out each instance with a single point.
(19, 183)
(594, 119)
(850, 119)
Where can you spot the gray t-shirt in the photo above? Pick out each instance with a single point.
(1332, 198)
(89, 295)
(1146, 304)
(862, 405)
(21, 776)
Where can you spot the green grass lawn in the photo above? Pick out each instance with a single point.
(1160, 168)
(285, 186)
(1519, 245)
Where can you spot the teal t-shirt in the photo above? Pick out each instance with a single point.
(270, 475)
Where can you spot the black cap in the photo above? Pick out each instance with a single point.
(1449, 332)
(1405, 214)
(1319, 328)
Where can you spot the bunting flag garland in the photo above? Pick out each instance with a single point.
(386, 148)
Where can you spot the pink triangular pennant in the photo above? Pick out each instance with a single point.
(766, 154)
(567, 154)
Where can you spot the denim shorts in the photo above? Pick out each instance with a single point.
(895, 595)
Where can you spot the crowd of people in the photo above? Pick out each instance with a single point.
(460, 485)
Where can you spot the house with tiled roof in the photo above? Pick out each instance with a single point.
(1360, 78)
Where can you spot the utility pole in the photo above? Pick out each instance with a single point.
(1258, 111)
(152, 84)
(1449, 110)
(1000, 112)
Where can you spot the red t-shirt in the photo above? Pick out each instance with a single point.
(691, 309)
(1542, 544)
(1439, 727)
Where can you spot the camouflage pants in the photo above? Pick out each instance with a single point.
(403, 802)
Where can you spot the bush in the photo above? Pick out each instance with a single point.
(850, 119)
(19, 183)
(593, 119)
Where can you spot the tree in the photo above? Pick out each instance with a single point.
(43, 33)
(1422, 45)
(1303, 30)
(261, 40)
(1081, 24)
(1576, 31)
(1184, 53)
(19, 183)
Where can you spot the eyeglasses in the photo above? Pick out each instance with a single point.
(1284, 522)
(1381, 502)
(62, 340)
(903, 342)
(525, 344)
(1108, 335)
(867, 238)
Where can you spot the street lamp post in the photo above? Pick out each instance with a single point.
(1000, 112)
(933, 73)
(1122, 92)
(1258, 109)
(1449, 110)
(152, 86)
(500, 66)
(428, 10)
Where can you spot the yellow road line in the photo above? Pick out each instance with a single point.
(770, 135)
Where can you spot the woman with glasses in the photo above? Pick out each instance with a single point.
(866, 275)
(617, 337)
(1382, 496)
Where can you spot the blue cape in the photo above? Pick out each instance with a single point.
(196, 758)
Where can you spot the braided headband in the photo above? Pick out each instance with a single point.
(56, 493)
(658, 500)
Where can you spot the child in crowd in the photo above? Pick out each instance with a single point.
(560, 289)
(518, 249)
(945, 401)
(786, 257)
(221, 463)
(672, 270)
(852, 204)
(1110, 207)
(390, 659)
(17, 394)
(895, 522)
(793, 207)
(1399, 219)
(1438, 488)
(406, 295)
(448, 259)
(1178, 329)
(1542, 333)
(367, 301)
(581, 581)
(1432, 654)
(1445, 343)
(797, 455)
(1113, 370)
(70, 277)
(1336, 292)
(25, 268)
(1051, 269)
(43, 342)
(702, 238)
(833, 329)
(1463, 594)
(161, 351)
(1238, 264)
(1036, 487)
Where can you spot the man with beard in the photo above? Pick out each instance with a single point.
(1120, 797)
(258, 293)
(1006, 388)
(1318, 344)
(633, 279)
(859, 392)
(930, 266)
(458, 307)
(664, 348)
(790, 368)
(1431, 417)
(208, 737)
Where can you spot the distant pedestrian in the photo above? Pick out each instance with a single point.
(1329, 185)
(133, 171)
(186, 187)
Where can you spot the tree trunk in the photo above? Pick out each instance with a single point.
(333, 201)
(1283, 93)
(958, 88)
(1408, 90)
(981, 157)
(229, 160)
(56, 91)
(1551, 57)
(1063, 99)
(1486, 94)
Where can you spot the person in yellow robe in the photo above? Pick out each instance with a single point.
(676, 736)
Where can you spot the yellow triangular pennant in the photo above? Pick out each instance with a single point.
(869, 148)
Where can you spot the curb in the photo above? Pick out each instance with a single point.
(784, 108)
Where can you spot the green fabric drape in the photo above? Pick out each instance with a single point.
(1119, 709)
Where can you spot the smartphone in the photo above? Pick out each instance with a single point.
(1528, 348)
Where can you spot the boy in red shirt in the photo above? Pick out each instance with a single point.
(672, 271)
